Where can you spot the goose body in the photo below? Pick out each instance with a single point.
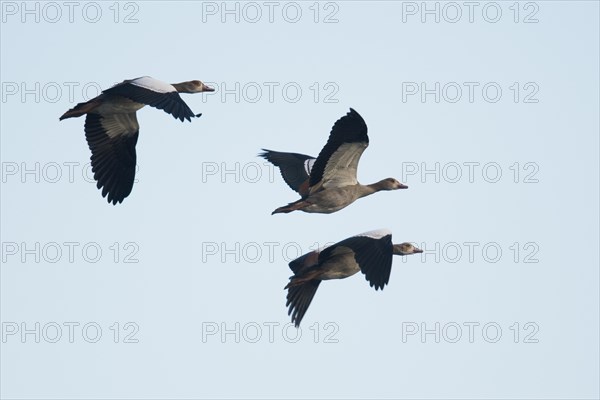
(328, 183)
(370, 253)
(111, 127)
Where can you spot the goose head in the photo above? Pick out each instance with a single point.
(192, 87)
(390, 184)
(404, 249)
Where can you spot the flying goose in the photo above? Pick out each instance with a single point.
(370, 252)
(111, 127)
(328, 183)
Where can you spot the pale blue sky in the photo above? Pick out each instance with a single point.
(186, 215)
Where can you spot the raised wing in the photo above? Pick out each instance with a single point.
(112, 139)
(294, 167)
(337, 162)
(150, 91)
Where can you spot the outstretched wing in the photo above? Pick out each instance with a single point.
(294, 167)
(112, 139)
(150, 91)
(373, 252)
(337, 162)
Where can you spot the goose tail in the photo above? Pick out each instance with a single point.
(297, 205)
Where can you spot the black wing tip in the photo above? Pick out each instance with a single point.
(354, 113)
(357, 118)
(115, 198)
(109, 194)
(376, 285)
(188, 117)
(110, 198)
(266, 153)
(113, 195)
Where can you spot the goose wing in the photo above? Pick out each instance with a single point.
(112, 139)
(299, 298)
(295, 168)
(373, 252)
(337, 162)
(152, 92)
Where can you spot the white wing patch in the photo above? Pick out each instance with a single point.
(308, 164)
(376, 234)
(155, 85)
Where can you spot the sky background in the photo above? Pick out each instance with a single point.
(178, 292)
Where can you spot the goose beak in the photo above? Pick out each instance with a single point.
(417, 250)
(402, 186)
(207, 89)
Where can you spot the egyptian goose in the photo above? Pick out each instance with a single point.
(111, 127)
(370, 252)
(328, 183)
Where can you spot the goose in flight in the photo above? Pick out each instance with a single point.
(370, 252)
(328, 183)
(111, 127)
